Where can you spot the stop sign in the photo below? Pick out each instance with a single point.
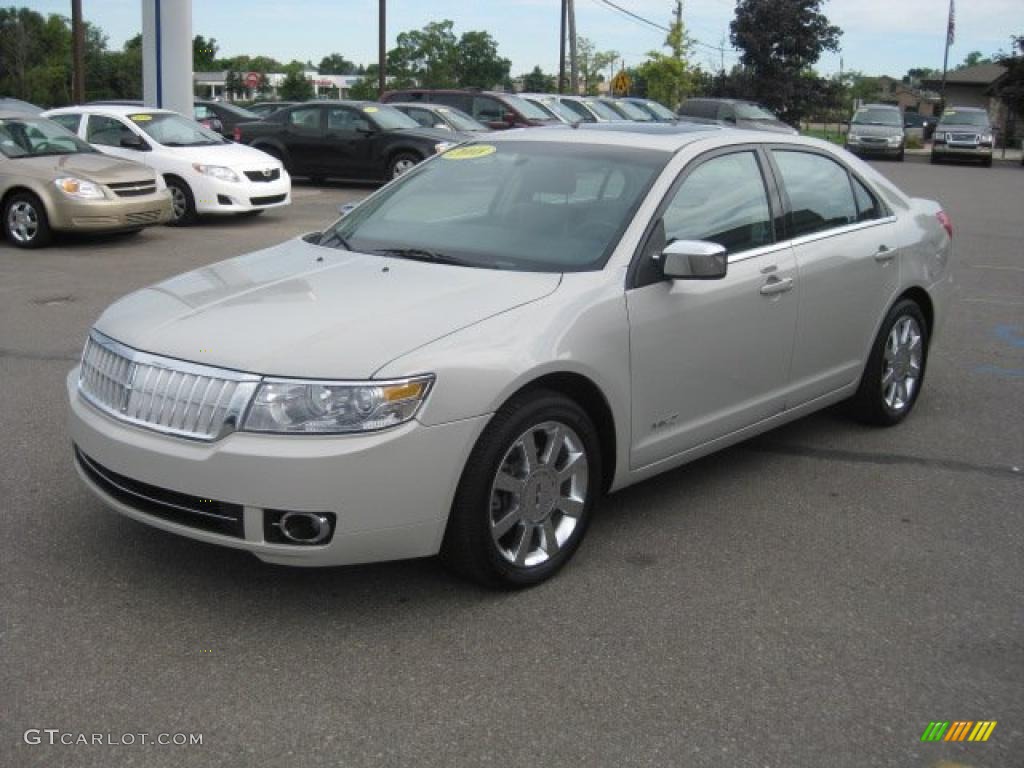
(253, 79)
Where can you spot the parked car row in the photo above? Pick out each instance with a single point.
(962, 133)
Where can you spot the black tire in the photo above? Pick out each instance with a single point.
(25, 222)
(871, 404)
(183, 204)
(899, 157)
(987, 162)
(469, 549)
(934, 160)
(401, 163)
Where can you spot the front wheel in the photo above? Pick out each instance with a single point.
(25, 222)
(183, 204)
(401, 163)
(526, 494)
(894, 373)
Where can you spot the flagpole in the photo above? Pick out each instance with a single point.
(945, 58)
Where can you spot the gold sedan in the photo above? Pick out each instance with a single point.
(50, 180)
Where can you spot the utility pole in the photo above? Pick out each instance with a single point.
(77, 53)
(561, 48)
(382, 49)
(574, 82)
(950, 35)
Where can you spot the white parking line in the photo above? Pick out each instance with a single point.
(996, 266)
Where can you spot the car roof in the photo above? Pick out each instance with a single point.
(880, 106)
(109, 109)
(13, 114)
(954, 108)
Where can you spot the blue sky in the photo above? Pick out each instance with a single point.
(880, 36)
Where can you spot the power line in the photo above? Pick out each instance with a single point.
(656, 25)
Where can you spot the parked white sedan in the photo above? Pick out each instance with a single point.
(206, 173)
(467, 360)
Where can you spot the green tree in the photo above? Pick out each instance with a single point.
(295, 86)
(233, 83)
(204, 54)
(1010, 88)
(366, 88)
(974, 58)
(669, 76)
(477, 63)
(336, 64)
(780, 40)
(428, 56)
(537, 82)
(591, 64)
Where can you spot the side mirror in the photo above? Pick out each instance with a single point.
(346, 208)
(694, 260)
(133, 141)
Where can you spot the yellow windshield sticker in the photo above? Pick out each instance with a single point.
(140, 118)
(470, 153)
(371, 109)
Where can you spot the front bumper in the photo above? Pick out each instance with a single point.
(216, 196)
(885, 150)
(390, 491)
(67, 214)
(974, 151)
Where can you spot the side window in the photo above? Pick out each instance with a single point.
(579, 109)
(868, 207)
(723, 201)
(344, 120)
(106, 131)
(306, 119)
(726, 112)
(70, 122)
(819, 191)
(486, 109)
(203, 112)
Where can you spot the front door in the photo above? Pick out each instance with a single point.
(711, 357)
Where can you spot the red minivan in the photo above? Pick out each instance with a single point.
(494, 109)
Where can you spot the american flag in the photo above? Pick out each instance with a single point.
(951, 29)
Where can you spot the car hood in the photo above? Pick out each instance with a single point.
(91, 166)
(428, 134)
(301, 310)
(878, 131)
(771, 126)
(230, 154)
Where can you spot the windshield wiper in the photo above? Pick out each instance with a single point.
(421, 254)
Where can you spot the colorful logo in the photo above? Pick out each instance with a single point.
(958, 730)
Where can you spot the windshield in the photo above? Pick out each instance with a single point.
(954, 117)
(460, 120)
(37, 137)
(388, 118)
(603, 111)
(527, 109)
(752, 112)
(245, 114)
(871, 116)
(632, 111)
(517, 205)
(659, 110)
(558, 108)
(173, 130)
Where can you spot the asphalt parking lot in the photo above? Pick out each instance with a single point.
(814, 597)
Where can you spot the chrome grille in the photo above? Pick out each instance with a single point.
(144, 217)
(970, 138)
(133, 188)
(163, 394)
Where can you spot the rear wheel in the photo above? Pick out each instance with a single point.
(934, 160)
(526, 494)
(25, 221)
(899, 157)
(895, 370)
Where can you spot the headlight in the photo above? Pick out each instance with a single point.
(939, 136)
(80, 188)
(441, 146)
(985, 138)
(216, 171)
(853, 137)
(895, 140)
(324, 407)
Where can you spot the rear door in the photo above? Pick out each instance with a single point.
(847, 258)
(303, 136)
(350, 147)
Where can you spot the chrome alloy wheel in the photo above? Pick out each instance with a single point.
(179, 202)
(538, 494)
(23, 221)
(901, 371)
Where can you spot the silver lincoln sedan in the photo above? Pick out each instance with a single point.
(464, 363)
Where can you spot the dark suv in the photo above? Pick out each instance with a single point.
(734, 113)
(963, 133)
(494, 109)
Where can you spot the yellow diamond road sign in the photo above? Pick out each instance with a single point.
(621, 83)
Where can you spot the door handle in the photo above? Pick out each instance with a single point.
(775, 285)
(884, 254)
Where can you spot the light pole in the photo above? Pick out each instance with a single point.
(382, 49)
(77, 53)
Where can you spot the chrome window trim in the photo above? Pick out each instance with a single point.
(836, 231)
